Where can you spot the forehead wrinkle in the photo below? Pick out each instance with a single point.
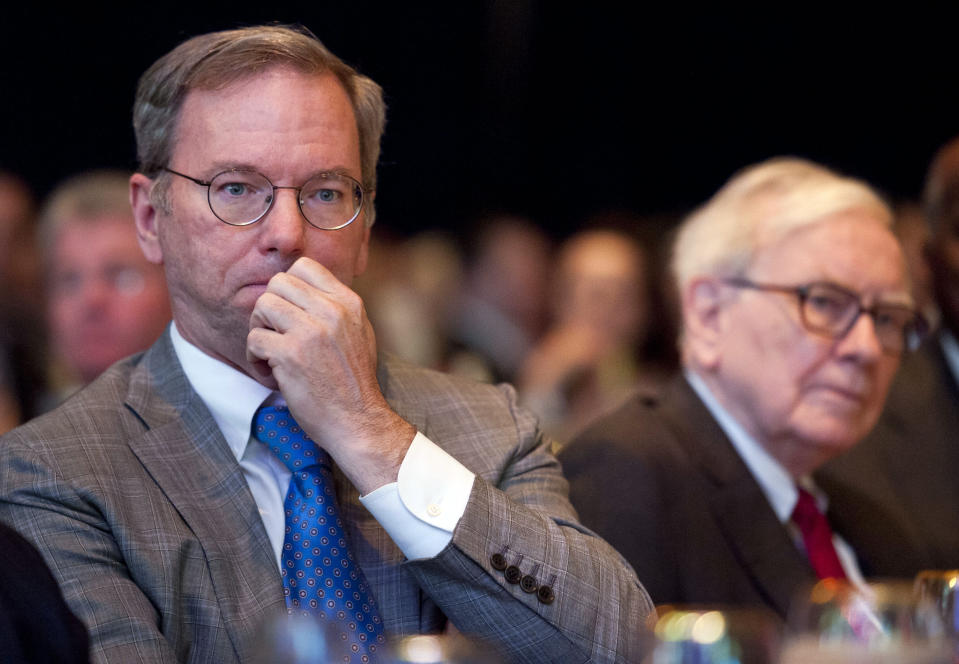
(842, 246)
(265, 133)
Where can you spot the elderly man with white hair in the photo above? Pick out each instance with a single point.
(795, 312)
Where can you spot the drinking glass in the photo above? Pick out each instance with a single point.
(711, 635)
(881, 622)
(439, 649)
(940, 588)
(297, 639)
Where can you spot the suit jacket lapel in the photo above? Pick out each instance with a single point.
(190, 460)
(754, 533)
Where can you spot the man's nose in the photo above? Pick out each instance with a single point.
(94, 295)
(284, 226)
(862, 339)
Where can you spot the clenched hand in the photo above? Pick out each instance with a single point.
(313, 333)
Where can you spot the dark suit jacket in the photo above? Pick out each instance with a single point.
(133, 496)
(661, 482)
(35, 624)
(909, 462)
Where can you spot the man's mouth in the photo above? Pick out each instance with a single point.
(847, 394)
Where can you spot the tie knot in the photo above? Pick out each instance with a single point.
(275, 427)
(806, 513)
(817, 537)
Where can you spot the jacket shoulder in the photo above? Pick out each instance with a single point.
(638, 428)
(97, 413)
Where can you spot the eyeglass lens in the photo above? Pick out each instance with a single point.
(834, 311)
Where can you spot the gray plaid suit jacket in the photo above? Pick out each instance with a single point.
(132, 495)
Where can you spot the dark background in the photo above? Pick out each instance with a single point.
(556, 112)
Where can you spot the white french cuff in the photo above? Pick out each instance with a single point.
(420, 510)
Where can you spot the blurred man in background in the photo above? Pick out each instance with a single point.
(501, 311)
(795, 312)
(588, 359)
(105, 301)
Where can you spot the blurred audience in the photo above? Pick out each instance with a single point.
(21, 336)
(590, 357)
(795, 311)
(104, 300)
(501, 310)
(909, 459)
(409, 290)
(577, 330)
(18, 248)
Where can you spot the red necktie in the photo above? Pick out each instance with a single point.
(817, 536)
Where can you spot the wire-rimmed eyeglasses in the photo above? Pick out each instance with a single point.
(329, 201)
(832, 310)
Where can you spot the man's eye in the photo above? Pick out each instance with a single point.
(893, 318)
(234, 188)
(126, 279)
(826, 303)
(326, 195)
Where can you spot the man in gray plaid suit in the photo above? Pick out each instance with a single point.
(163, 520)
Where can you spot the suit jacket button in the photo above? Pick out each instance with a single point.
(528, 584)
(498, 561)
(513, 575)
(545, 595)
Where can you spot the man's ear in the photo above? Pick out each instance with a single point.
(702, 304)
(145, 216)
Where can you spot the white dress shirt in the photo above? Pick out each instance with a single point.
(774, 480)
(419, 511)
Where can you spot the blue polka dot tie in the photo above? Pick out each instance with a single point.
(319, 574)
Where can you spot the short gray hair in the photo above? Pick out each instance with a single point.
(764, 202)
(215, 60)
(84, 198)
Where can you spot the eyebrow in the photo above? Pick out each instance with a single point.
(898, 298)
(220, 166)
(901, 298)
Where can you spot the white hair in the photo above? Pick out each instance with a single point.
(759, 205)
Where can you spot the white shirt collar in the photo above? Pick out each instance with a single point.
(231, 396)
(776, 483)
(951, 350)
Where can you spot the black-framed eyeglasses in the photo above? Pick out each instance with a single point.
(329, 201)
(832, 310)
